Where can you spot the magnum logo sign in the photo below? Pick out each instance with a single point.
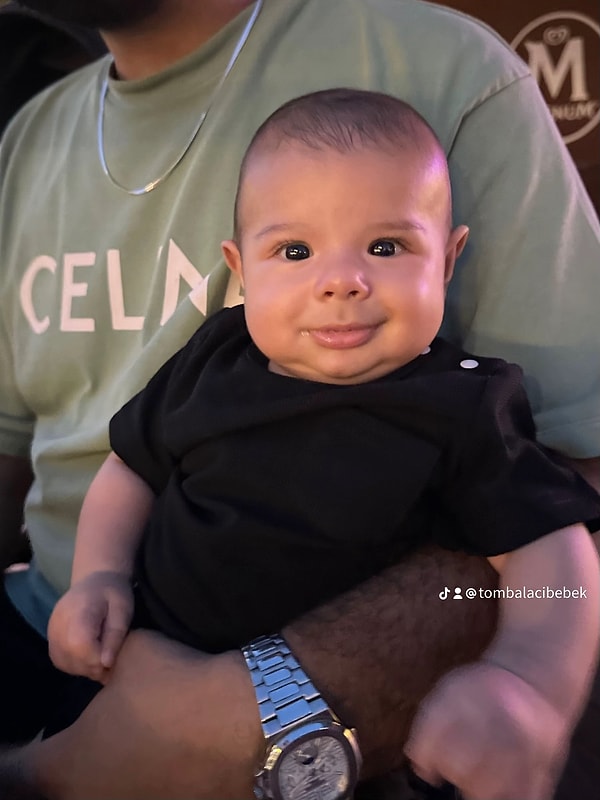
(562, 48)
(557, 47)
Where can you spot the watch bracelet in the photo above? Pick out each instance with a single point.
(284, 692)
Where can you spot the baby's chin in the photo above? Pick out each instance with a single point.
(342, 375)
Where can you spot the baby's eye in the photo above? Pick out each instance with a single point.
(384, 248)
(295, 251)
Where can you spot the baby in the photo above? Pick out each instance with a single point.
(307, 440)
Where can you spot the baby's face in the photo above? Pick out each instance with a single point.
(344, 259)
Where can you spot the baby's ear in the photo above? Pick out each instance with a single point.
(233, 258)
(454, 247)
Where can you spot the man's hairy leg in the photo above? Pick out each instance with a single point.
(172, 722)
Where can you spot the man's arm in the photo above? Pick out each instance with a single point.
(376, 651)
(15, 480)
(172, 722)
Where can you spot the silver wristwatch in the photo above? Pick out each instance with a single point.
(310, 754)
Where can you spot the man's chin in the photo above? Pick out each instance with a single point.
(100, 14)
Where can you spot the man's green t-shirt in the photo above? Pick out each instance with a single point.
(98, 288)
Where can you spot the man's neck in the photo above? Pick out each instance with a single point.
(171, 34)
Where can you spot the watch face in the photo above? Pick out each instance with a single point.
(316, 769)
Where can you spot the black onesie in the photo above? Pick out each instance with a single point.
(275, 494)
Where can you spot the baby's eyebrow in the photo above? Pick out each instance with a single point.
(388, 225)
(398, 225)
(277, 227)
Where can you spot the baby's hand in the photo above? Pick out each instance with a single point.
(89, 624)
(490, 734)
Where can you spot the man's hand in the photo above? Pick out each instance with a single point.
(170, 723)
(491, 734)
(90, 623)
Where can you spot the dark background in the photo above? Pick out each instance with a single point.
(561, 43)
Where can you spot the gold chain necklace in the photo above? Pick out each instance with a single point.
(101, 113)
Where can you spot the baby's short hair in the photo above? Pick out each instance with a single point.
(343, 120)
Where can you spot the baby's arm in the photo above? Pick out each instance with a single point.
(500, 727)
(90, 622)
(551, 642)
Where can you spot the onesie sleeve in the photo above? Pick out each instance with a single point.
(136, 430)
(144, 433)
(505, 489)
